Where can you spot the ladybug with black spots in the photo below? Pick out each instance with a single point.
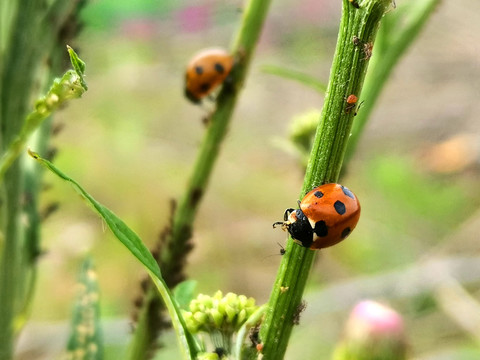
(326, 216)
(206, 71)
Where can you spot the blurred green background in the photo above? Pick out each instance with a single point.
(132, 139)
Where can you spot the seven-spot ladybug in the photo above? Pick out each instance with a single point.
(326, 216)
(207, 69)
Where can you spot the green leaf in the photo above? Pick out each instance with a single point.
(135, 245)
(85, 342)
(77, 63)
(185, 292)
(298, 76)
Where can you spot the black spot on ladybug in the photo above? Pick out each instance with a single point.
(321, 229)
(219, 67)
(204, 87)
(339, 207)
(347, 192)
(346, 232)
(318, 194)
(199, 70)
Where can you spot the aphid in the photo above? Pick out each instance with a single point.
(351, 102)
(368, 50)
(298, 311)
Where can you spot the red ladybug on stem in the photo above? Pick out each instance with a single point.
(326, 216)
(206, 71)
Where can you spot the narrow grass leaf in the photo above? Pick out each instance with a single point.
(296, 75)
(135, 245)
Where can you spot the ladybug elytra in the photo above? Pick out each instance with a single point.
(208, 69)
(326, 216)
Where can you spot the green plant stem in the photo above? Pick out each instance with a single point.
(395, 38)
(346, 77)
(29, 30)
(17, 68)
(177, 246)
(243, 48)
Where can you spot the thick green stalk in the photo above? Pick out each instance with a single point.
(177, 246)
(17, 70)
(395, 39)
(347, 75)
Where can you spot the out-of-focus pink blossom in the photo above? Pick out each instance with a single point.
(194, 18)
(370, 318)
(373, 332)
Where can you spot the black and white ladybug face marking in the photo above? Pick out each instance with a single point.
(300, 228)
(326, 216)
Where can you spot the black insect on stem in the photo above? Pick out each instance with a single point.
(298, 311)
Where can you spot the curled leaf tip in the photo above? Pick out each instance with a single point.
(77, 63)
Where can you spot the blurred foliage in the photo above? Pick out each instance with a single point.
(107, 13)
(85, 342)
(132, 138)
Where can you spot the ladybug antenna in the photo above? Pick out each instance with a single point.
(277, 223)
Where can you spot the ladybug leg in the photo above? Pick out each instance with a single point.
(358, 108)
(288, 212)
(285, 223)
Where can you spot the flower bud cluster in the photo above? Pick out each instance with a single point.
(219, 313)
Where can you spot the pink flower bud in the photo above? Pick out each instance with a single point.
(374, 332)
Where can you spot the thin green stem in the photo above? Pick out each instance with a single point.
(394, 38)
(176, 243)
(346, 77)
(244, 46)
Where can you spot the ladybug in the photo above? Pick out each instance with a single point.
(326, 216)
(208, 69)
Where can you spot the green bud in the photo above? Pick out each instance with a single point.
(242, 316)
(200, 317)
(207, 356)
(231, 312)
(217, 318)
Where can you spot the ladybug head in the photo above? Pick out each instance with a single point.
(189, 95)
(297, 224)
